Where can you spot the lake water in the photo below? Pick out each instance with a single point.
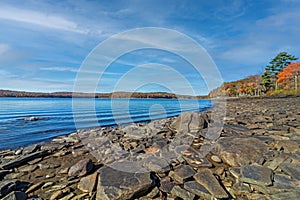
(56, 115)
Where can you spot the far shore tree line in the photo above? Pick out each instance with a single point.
(281, 76)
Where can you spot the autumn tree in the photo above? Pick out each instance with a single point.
(289, 76)
(275, 66)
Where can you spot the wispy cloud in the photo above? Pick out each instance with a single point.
(40, 19)
(59, 69)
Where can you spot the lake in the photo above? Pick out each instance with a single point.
(52, 117)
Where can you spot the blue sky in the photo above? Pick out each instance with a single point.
(43, 43)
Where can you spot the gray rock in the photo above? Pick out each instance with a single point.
(182, 193)
(286, 195)
(257, 175)
(292, 169)
(166, 185)
(197, 189)
(113, 184)
(23, 159)
(238, 151)
(183, 173)
(206, 178)
(7, 186)
(81, 168)
(15, 195)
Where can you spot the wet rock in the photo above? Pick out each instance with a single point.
(182, 193)
(257, 175)
(15, 195)
(197, 189)
(206, 178)
(183, 173)
(240, 151)
(88, 183)
(81, 168)
(7, 186)
(114, 184)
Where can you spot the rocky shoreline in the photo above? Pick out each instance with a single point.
(255, 156)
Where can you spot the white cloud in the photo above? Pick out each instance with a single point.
(40, 19)
(60, 69)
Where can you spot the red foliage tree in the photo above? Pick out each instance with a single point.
(289, 76)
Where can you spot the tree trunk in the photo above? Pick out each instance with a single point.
(296, 83)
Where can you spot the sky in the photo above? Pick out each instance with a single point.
(45, 44)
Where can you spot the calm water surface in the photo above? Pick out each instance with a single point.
(56, 115)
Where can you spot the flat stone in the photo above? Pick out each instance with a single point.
(88, 183)
(182, 193)
(114, 184)
(238, 151)
(15, 195)
(29, 168)
(57, 195)
(206, 178)
(197, 189)
(81, 168)
(183, 173)
(23, 159)
(34, 187)
(257, 175)
(286, 195)
(7, 186)
(166, 185)
(288, 146)
(276, 162)
(292, 169)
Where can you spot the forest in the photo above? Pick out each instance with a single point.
(281, 76)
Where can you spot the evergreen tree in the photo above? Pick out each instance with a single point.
(277, 64)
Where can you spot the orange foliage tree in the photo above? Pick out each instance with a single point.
(289, 76)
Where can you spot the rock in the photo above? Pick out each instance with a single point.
(88, 183)
(166, 185)
(81, 168)
(23, 159)
(206, 178)
(286, 195)
(276, 162)
(15, 195)
(57, 195)
(183, 173)
(34, 187)
(7, 186)
(216, 159)
(182, 193)
(31, 149)
(257, 175)
(292, 169)
(288, 146)
(29, 168)
(197, 189)
(238, 151)
(19, 151)
(113, 184)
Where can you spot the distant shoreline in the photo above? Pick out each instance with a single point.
(138, 95)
